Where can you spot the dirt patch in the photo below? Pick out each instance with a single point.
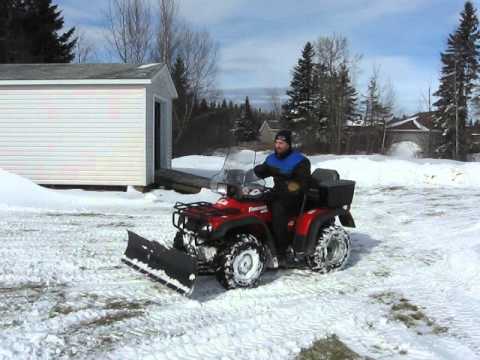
(86, 214)
(382, 273)
(126, 305)
(412, 316)
(61, 309)
(392, 188)
(329, 348)
(112, 318)
(435, 213)
(119, 224)
(34, 287)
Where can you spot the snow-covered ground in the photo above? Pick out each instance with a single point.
(411, 289)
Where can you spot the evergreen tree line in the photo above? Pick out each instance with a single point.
(30, 32)
(322, 99)
(220, 124)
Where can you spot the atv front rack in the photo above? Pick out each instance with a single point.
(195, 217)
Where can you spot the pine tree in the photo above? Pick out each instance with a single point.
(459, 71)
(15, 43)
(343, 107)
(203, 108)
(299, 108)
(244, 127)
(30, 32)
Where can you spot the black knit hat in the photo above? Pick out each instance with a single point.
(284, 135)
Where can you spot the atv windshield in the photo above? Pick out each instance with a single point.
(238, 171)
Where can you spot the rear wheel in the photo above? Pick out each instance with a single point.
(241, 262)
(332, 250)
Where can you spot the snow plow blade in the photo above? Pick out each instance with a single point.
(170, 267)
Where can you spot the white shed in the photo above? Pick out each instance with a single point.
(86, 124)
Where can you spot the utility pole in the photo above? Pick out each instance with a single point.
(429, 100)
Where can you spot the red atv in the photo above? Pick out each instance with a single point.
(232, 238)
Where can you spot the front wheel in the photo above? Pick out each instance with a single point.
(241, 262)
(332, 250)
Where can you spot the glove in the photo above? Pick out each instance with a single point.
(293, 186)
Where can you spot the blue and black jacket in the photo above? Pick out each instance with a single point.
(291, 167)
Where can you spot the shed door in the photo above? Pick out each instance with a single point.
(158, 139)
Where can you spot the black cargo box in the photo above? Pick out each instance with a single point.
(332, 194)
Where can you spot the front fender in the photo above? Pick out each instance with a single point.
(231, 225)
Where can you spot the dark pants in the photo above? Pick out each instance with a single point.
(283, 207)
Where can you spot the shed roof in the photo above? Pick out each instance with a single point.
(273, 124)
(47, 72)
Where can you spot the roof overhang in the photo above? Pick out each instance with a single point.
(172, 90)
(76, 82)
(125, 81)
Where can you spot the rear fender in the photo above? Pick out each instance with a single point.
(247, 224)
(310, 241)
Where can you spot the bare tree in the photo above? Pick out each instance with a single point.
(388, 96)
(198, 51)
(85, 50)
(129, 29)
(275, 101)
(169, 32)
(337, 95)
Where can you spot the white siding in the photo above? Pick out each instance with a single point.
(75, 135)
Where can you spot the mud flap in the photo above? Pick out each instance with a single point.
(171, 267)
(347, 220)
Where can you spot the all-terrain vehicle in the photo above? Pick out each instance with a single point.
(232, 238)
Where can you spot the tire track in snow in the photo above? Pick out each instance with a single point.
(239, 324)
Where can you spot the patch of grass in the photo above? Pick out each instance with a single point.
(329, 348)
(385, 297)
(410, 315)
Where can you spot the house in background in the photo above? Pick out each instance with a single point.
(417, 129)
(79, 124)
(268, 130)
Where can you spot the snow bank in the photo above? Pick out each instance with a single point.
(369, 170)
(377, 170)
(17, 192)
(366, 170)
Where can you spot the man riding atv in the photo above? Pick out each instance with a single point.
(291, 174)
(242, 234)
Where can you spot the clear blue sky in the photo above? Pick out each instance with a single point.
(261, 40)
